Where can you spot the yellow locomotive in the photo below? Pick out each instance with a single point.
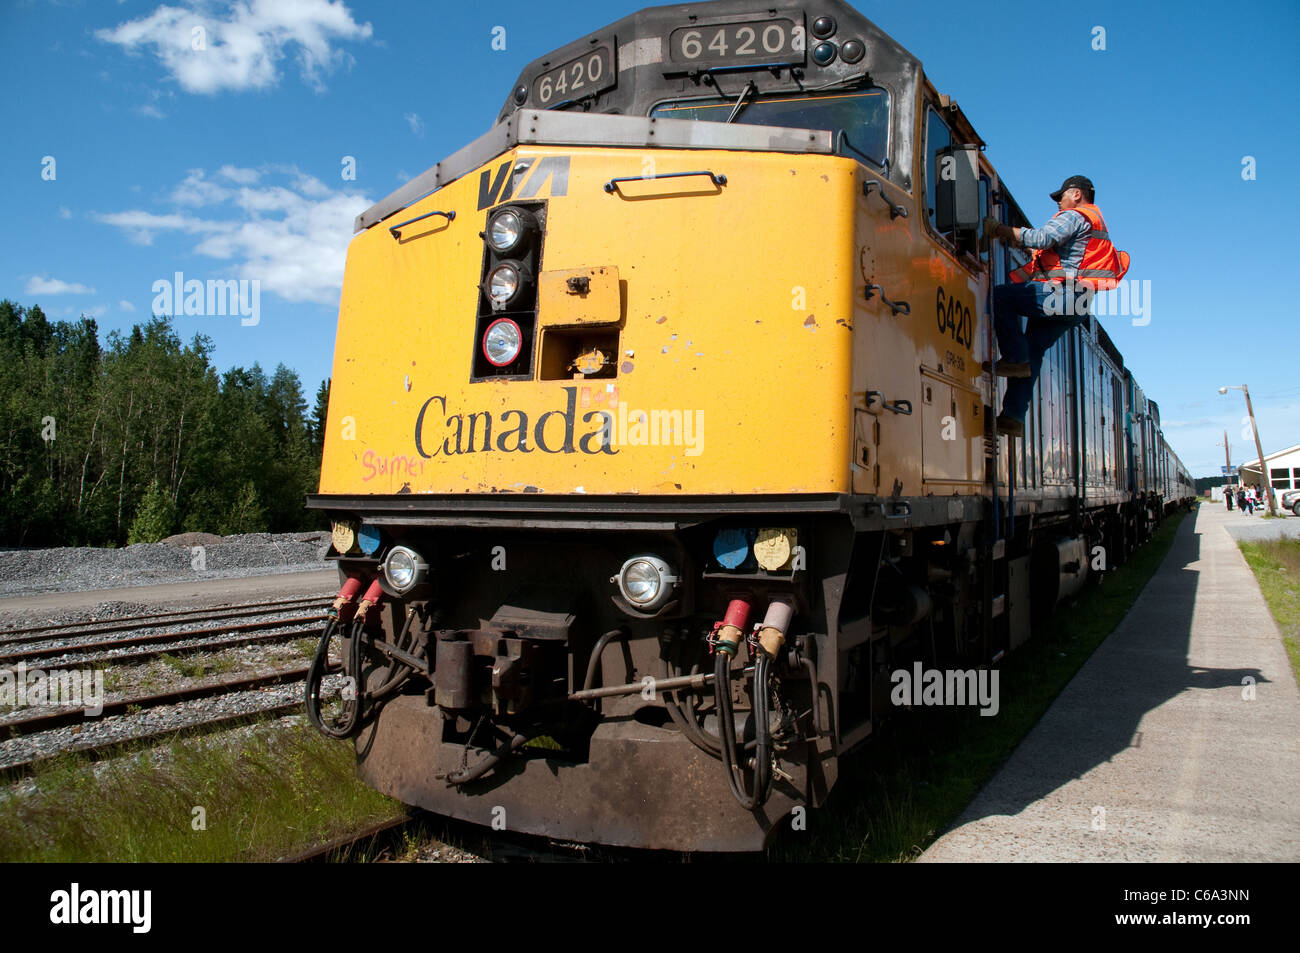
(658, 439)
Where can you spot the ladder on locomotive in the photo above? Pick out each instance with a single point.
(994, 565)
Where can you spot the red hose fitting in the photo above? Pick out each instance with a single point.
(372, 597)
(728, 633)
(347, 592)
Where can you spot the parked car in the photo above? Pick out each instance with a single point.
(1288, 500)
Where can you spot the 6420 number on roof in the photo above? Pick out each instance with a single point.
(585, 75)
(759, 41)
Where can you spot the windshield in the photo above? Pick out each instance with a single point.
(859, 121)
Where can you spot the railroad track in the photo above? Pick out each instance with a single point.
(388, 839)
(363, 838)
(50, 721)
(16, 647)
(211, 640)
(54, 630)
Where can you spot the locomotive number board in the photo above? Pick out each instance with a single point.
(585, 75)
(731, 44)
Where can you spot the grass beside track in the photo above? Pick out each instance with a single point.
(267, 792)
(894, 798)
(1276, 564)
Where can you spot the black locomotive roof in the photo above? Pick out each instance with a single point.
(650, 65)
(650, 70)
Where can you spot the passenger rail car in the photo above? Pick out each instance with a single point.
(658, 438)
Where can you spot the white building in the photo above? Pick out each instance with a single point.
(1283, 470)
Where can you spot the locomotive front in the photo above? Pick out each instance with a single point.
(590, 436)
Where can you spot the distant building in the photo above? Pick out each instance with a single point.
(1283, 470)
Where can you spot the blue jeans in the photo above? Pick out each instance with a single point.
(1011, 302)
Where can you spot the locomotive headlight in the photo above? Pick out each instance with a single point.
(647, 582)
(404, 569)
(507, 229)
(502, 341)
(503, 283)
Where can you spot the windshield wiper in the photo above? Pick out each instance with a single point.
(842, 140)
(740, 100)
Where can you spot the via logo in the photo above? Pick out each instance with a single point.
(502, 186)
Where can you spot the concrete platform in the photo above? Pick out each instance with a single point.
(191, 592)
(1254, 526)
(1155, 751)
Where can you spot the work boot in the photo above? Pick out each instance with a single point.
(1010, 426)
(1008, 368)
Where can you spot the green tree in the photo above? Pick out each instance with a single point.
(154, 517)
(318, 417)
(246, 515)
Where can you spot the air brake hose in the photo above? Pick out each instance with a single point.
(771, 636)
(726, 641)
(340, 613)
(350, 719)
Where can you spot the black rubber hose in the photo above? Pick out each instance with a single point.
(686, 723)
(727, 730)
(315, 677)
(762, 728)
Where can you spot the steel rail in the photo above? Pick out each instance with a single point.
(54, 651)
(37, 633)
(59, 719)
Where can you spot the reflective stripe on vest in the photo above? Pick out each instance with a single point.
(1101, 266)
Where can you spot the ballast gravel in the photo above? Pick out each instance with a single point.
(103, 731)
(181, 559)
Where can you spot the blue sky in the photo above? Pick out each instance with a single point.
(228, 162)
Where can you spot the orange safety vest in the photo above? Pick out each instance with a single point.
(1102, 266)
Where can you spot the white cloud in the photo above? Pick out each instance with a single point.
(236, 174)
(65, 212)
(151, 111)
(141, 226)
(40, 285)
(125, 305)
(276, 224)
(207, 53)
(416, 123)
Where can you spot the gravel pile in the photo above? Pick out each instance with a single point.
(185, 558)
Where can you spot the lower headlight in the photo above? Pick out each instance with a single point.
(647, 582)
(502, 342)
(404, 569)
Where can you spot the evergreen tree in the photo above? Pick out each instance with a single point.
(154, 517)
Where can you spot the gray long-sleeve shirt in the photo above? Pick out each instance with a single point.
(1067, 232)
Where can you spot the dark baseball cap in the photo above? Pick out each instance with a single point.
(1075, 181)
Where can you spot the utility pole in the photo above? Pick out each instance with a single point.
(1227, 457)
(1266, 481)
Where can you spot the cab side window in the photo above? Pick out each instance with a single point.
(984, 212)
(937, 136)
